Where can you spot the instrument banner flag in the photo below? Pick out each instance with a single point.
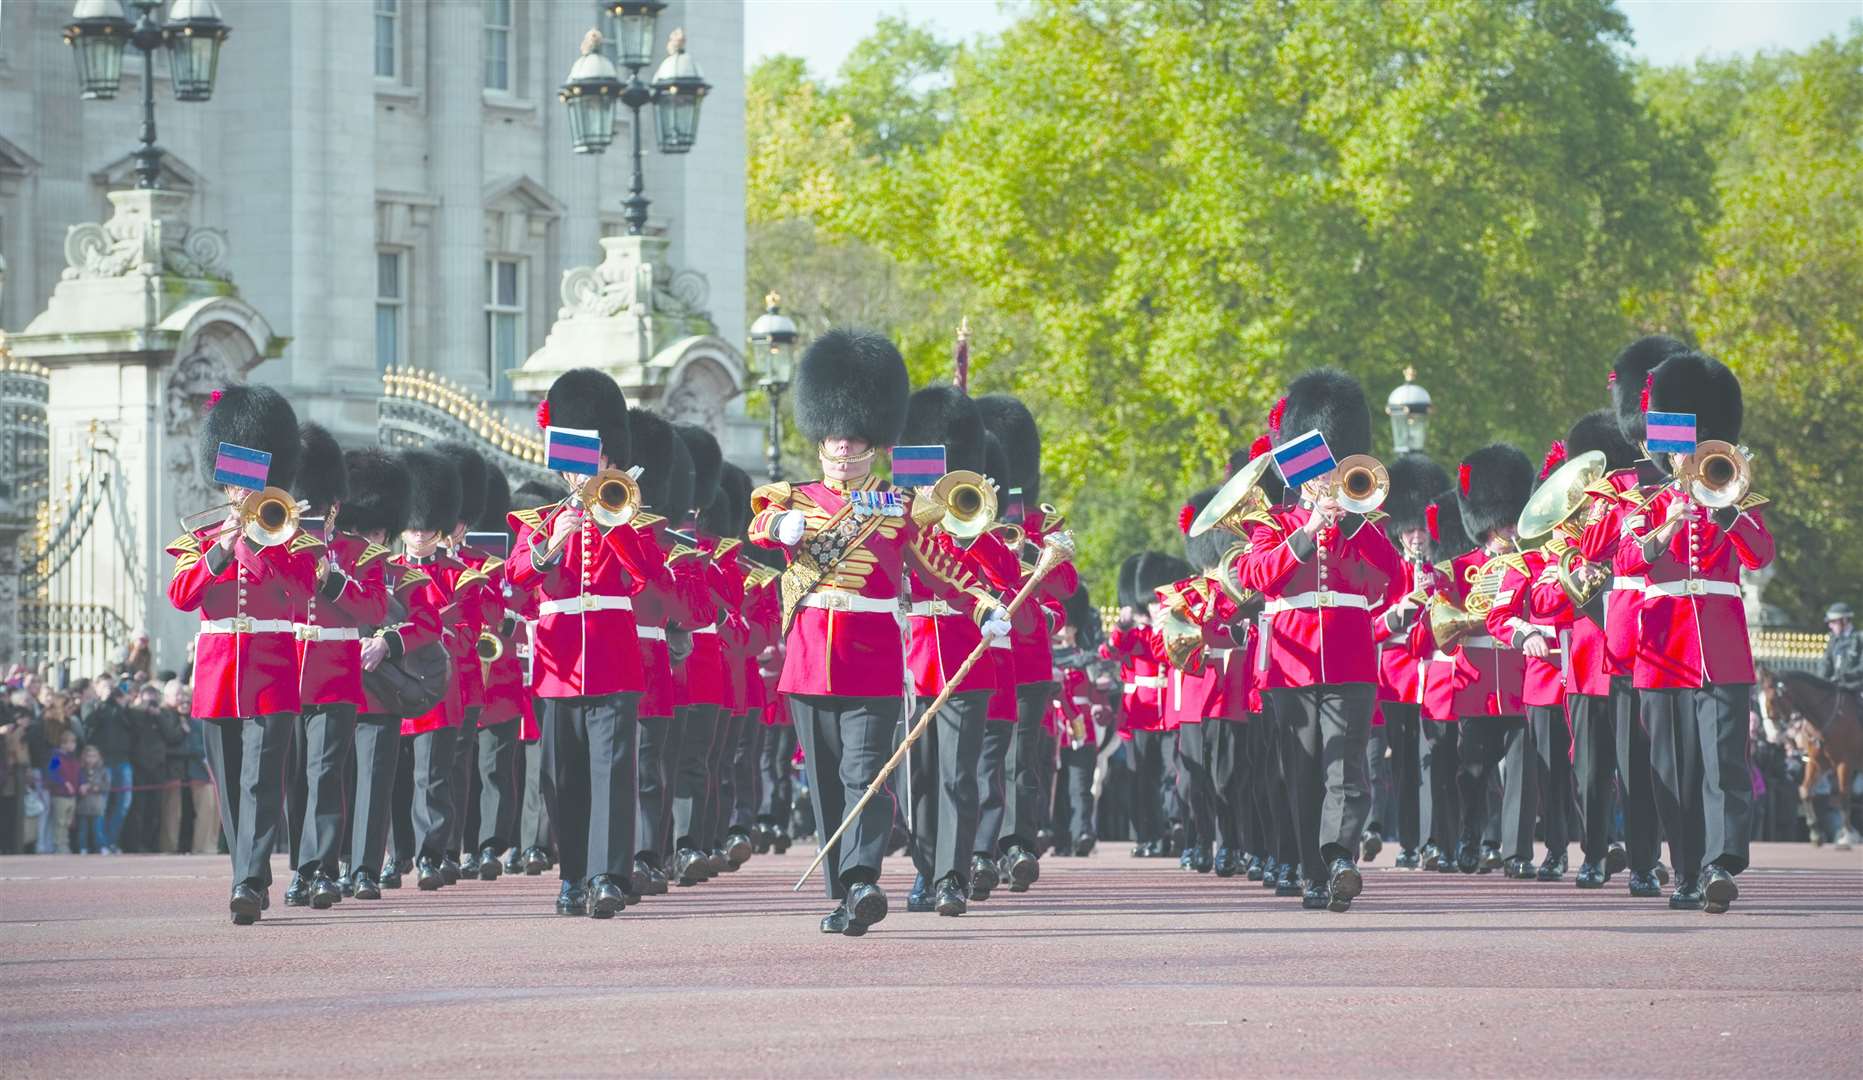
(1303, 458)
(573, 450)
(241, 466)
(918, 466)
(1670, 432)
(496, 543)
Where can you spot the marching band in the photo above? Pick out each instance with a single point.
(413, 669)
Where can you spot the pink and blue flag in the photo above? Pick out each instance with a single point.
(1303, 458)
(918, 466)
(241, 466)
(1670, 432)
(572, 450)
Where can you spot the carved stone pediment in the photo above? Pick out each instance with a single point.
(145, 236)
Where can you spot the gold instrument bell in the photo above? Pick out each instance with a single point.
(611, 497)
(1717, 474)
(1236, 501)
(1560, 495)
(267, 518)
(961, 503)
(491, 647)
(1451, 625)
(1361, 483)
(1183, 642)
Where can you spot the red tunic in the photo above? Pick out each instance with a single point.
(586, 641)
(940, 637)
(1321, 592)
(1138, 649)
(845, 640)
(329, 633)
(1492, 677)
(700, 679)
(452, 588)
(734, 636)
(246, 658)
(411, 619)
(1511, 620)
(1693, 630)
(1397, 664)
(1439, 675)
(1603, 534)
(480, 608)
(660, 604)
(507, 687)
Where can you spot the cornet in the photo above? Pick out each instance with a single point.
(267, 518)
(1716, 475)
(1361, 484)
(962, 503)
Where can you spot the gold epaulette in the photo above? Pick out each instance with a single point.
(414, 578)
(644, 520)
(531, 518)
(725, 548)
(766, 495)
(491, 565)
(1516, 562)
(369, 554)
(1753, 502)
(1375, 516)
(303, 542)
(185, 544)
(470, 577)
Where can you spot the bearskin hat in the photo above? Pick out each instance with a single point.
(1630, 374)
(1127, 591)
(435, 502)
(1333, 403)
(1083, 617)
(535, 493)
(379, 492)
(322, 477)
(737, 485)
(1493, 486)
(591, 400)
(1414, 479)
(1599, 431)
(852, 384)
(257, 417)
(1010, 421)
(941, 414)
(1688, 382)
(996, 467)
(655, 446)
(707, 462)
(1443, 519)
(471, 468)
(1271, 484)
(1206, 551)
(1155, 571)
(497, 501)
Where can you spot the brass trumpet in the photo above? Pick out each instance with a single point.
(267, 518)
(610, 496)
(962, 503)
(491, 647)
(1361, 484)
(1716, 475)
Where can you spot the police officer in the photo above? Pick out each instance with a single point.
(1843, 655)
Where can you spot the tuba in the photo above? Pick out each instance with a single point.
(1361, 485)
(961, 503)
(267, 518)
(1561, 495)
(1717, 474)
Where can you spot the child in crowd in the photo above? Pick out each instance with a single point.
(93, 800)
(62, 779)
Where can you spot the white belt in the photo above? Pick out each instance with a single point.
(516, 615)
(1691, 587)
(704, 630)
(576, 605)
(312, 632)
(1629, 584)
(999, 643)
(926, 608)
(1442, 657)
(1323, 598)
(244, 625)
(842, 600)
(650, 633)
(1218, 654)
(1148, 682)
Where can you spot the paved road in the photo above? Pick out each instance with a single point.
(1111, 967)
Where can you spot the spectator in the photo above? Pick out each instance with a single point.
(107, 727)
(136, 659)
(33, 807)
(149, 755)
(187, 774)
(1843, 654)
(93, 801)
(63, 780)
(14, 765)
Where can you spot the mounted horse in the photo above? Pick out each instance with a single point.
(1825, 722)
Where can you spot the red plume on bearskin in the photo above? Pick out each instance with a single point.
(1262, 445)
(212, 400)
(1555, 457)
(1184, 517)
(1274, 417)
(543, 413)
(1611, 379)
(1648, 381)
(1429, 520)
(1463, 475)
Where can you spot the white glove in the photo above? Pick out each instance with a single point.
(789, 528)
(997, 625)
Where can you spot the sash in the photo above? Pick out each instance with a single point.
(818, 555)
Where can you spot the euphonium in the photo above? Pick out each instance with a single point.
(1717, 474)
(1361, 484)
(491, 647)
(1236, 502)
(267, 518)
(961, 503)
(1183, 642)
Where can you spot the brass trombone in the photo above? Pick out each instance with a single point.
(1361, 484)
(610, 496)
(267, 518)
(1716, 475)
(961, 503)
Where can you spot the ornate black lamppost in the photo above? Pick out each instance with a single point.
(773, 339)
(192, 35)
(1409, 409)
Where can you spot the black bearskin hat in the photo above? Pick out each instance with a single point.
(1414, 479)
(257, 417)
(1443, 519)
(852, 384)
(1155, 571)
(1083, 617)
(322, 478)
(736, 485)
(1332, 402)
(1010, 421)
(1206, 551)
(534, 493)
(996, 467)
(1630, 373)
(942, 414)
(434, 504)
(1127, 593)
(661, 455)
(1689, 382)
(471, 468)
(497, 501)
(1271, 484)
(379, 492)
(1494, 484)
(707, 463)
(1599, 431)
(590, 400)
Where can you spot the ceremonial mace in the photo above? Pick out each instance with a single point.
(1056, 548)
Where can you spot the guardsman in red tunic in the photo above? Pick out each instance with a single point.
(491, 819)
(852, 541)
(376, 509)
(1414, 480)
(1192, 800)
(1694, 664)
(699, 678)
(535, 836)
(778, 748)
(1132, 643)
(717, 531)
(586, 665)
(1323, 572)
(480, 609)
(737, 789)
(351, 594)
(1440, 821)
(991, 558)
(246, 658)
(1084, 719)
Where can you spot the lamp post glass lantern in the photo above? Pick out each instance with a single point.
(678, 90)
(773, 339)
(98, 33)
(1409, 409)
(633, 23)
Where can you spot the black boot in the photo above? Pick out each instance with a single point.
(950, 899)
(1589, 876)
(1407, 859)
(489, 866)
(572, 899)
(1718, 891)
(514, 862)
(835, 922)
(1553, 868)
(1616, 860)
(428, 873)
(605, 897)
(1287, 883)
(449, 870)
(866, 905)
(983, 879)
(297, 893)
(1315, 898)
(1225, 863)
(535, 861)
(367, 888)
(1021, 868)
(324, 893)
(245, 904)
(1372, 843)
(1687, 895)
(1343, 885)
(918, 901)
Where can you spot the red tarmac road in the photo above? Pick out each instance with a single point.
(1111, 967)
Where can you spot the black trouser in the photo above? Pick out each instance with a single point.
(1486, 742)
(1552, 766)
(1698, 750)
(1025, 797)
(1383, 813)
(588, 750)
(534, 825)
(1439, 803)
(1147, 749)
(1324, 729)
(1594, 763)
(459, 782)
(992, 783)
(499, 780)
(1636, 778)
(315, 799)
(944, 787)
(377, 743)
(740, 809)
(1270, 829)
(1170, 806)
(777, 790)
(1076, 781)
(247, 759)
(692, 776)
(1196, 790)
(845, 741)
(711, 831)
(1226, 742)
(659, 749)
(431, 808)
(1401, 735)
